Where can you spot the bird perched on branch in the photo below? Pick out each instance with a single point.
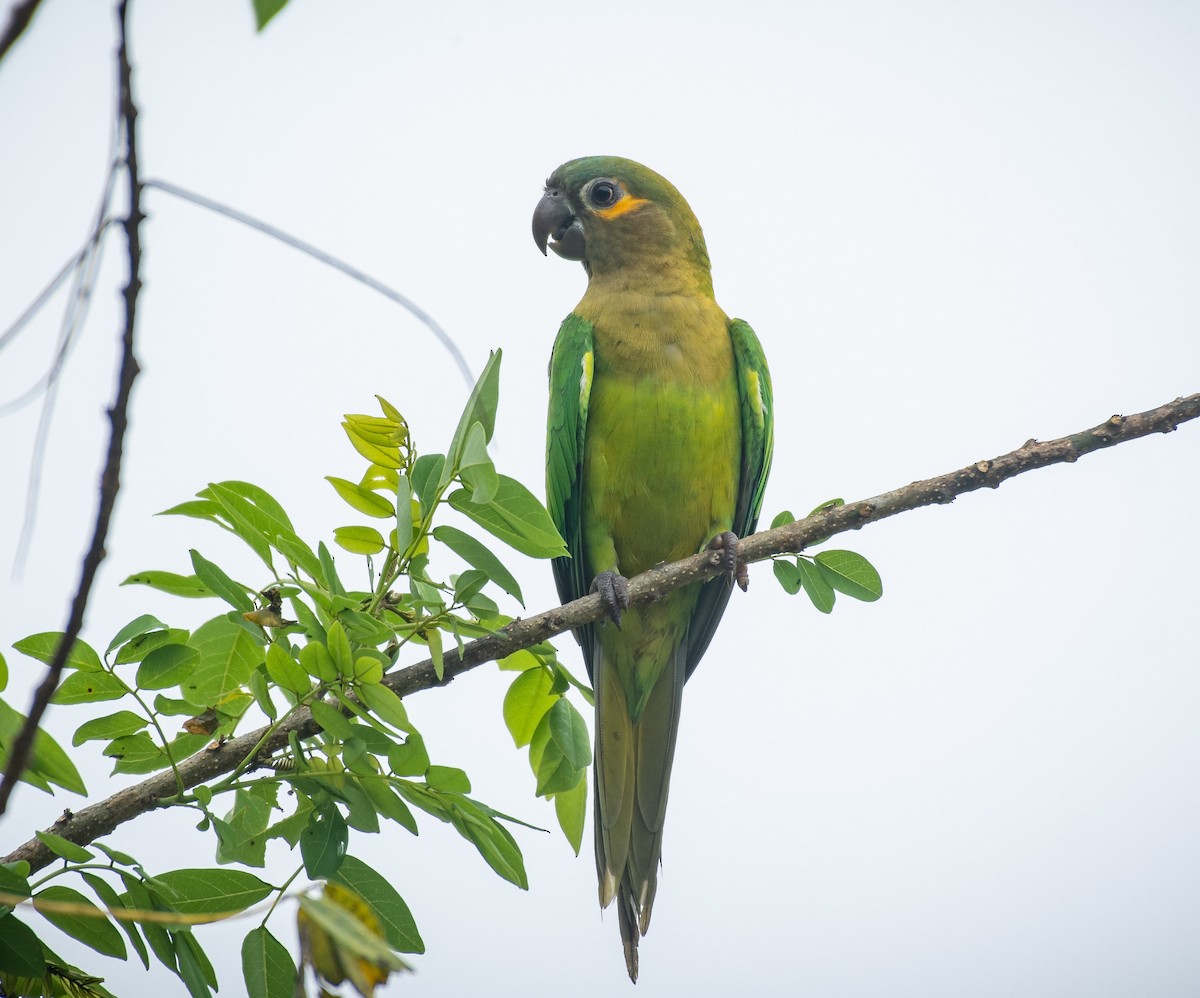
(659, 444)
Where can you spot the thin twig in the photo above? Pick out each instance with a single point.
(92, 822)
(18, 20)
(110, 478)
(319, 254)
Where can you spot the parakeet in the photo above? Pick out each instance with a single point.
(659, 443)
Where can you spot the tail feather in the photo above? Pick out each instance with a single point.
(633, 774)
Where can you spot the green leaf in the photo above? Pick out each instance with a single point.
(426, 476)
(331, 720)
(782, 518)
(480, 408)
(214, 577)
(388, 804)
(264, 10)
(447, 779)
(323, 842)
(255, 515)
(788, 574)
(139, 625)
(298, 553)
(516, 517)
(95, 930)
(395, 919)
(570, 807)
(285, 671)
(828, 504)
(137, 753)
(228, 654)
(213, 891)
(377, 451)
(554, 773)
(89, 687)
(526, 703)
(167, 666)
(267, 967)
(569, 732)
(241, 834)
(385, 705)
(20, 949)
(363, 500)
(48, 763)
(818, 590)
(476, 554)
(404, 514)
(3, 673)
(43, 646)
(317, 662)
(137, 649)
(434, 639)
(12, 881)
(123, 722)
(339, 649)
(110, 899)
(497, 847)
(411, 758)
(65, 848)
(188, 586)
(850, 573)
(359, 540)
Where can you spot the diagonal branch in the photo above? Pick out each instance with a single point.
(99, 819)
(110, 477)
(19, 17)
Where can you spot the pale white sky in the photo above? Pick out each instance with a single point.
(954, 226)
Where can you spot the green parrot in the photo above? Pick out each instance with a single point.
(659, 443)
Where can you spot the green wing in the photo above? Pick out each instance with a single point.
(570, 389)
(757, 406)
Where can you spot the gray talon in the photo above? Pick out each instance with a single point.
(614, 592)
(733, 566)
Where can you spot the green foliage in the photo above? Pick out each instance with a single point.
(824, 575)
(390, 595)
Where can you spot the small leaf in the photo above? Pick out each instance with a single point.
(404, 514)
(516, 517)
(850, 573)
(43, 646)
(20, 949)
(323, 842)
(213, 891)
(569, 732)
(782, 518)
(395, 919)
(447, 779)
(339, 649)
(362, 500)
(358, 539)
(188, 586)
(213, 576)
(285, 671)
(385, 705)
(267, 967)
(409, 759)
(167, 666)
(818, 590)
(526, 703)
(570, 807)
(139, 625)
(788, 574)
(94, 930)
(434, 638)
(426, 475)
(136, 649)
(123, 722)
(331, 720)
(228, 654)
(89, 687)
(65, 848)
(476, 554)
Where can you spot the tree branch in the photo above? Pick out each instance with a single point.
(110, 477)
(19, 17)
(100, 819)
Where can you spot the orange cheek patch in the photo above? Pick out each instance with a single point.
(627, 204)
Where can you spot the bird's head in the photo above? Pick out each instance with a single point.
(612, 213)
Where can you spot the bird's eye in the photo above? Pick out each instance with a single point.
(603, 194)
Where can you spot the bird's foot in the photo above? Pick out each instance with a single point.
(614, 592)
(732, 563)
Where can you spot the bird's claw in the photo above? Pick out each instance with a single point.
(732, 564)
(614, 593)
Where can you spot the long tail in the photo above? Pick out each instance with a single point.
(633, 775)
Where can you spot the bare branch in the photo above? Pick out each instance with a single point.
(99, 819)
(326, 258)
(18, 20)
(110, 477)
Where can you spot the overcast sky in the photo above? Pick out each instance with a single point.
(954, 226)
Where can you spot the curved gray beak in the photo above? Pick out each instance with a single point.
(554, 220)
